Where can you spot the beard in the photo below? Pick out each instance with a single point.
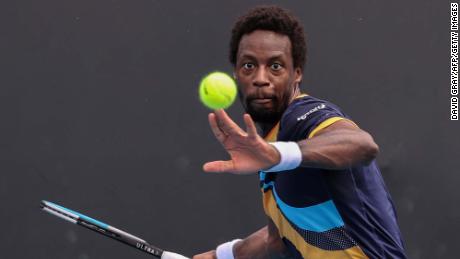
(266, 115)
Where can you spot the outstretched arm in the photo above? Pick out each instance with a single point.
(339, 146)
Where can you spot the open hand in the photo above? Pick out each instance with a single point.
(248, 151)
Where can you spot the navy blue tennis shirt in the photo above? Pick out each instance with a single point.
(322, 213)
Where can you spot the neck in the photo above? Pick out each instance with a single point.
(266, 127)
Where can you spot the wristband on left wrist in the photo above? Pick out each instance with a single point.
(225, 250)
(290, 156)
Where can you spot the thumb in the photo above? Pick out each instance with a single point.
(219, 167)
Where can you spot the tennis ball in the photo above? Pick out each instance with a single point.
(217, 90)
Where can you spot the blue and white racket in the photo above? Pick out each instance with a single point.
(107, 230)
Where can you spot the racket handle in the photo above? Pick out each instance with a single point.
(171, 255)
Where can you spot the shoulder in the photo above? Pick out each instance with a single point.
(305, 114)
(303, 107)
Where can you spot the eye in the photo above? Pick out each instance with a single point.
(248, 65)
(276, 66)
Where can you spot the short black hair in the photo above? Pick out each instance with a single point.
(271, 18)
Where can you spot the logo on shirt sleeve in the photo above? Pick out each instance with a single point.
(317, 108)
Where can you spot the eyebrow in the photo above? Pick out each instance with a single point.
(250, 56)
(275, 57)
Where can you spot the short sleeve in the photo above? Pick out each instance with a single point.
(305, 117)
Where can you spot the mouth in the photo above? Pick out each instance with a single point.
(261, 101)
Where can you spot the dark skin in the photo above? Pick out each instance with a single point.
(269, 81)
(266, 75)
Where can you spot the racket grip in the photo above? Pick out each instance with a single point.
(171, 255)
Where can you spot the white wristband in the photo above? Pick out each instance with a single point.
(291, 156)
(225, 250)
(171, 255)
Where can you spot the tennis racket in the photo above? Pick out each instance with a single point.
(107, 230)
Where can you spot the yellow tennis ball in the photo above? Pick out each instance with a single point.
(217, 90)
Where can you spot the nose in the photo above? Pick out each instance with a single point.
(260, 77)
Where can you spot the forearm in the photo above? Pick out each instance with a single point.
(254, 246)
(262, 244)
(338, 149)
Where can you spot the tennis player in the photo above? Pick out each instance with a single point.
(322, 190)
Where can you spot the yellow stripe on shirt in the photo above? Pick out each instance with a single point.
(305, 249)
(273, 133)
(326, 124)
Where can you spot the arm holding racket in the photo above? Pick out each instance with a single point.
(265, 243)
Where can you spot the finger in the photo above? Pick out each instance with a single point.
(215, 128)
(219, 167)
(226, 124)
(250, 126)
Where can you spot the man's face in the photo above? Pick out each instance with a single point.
(266, 75)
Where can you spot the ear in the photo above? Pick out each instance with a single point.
(298, 76)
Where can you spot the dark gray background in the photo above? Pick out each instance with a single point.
(99, 112)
